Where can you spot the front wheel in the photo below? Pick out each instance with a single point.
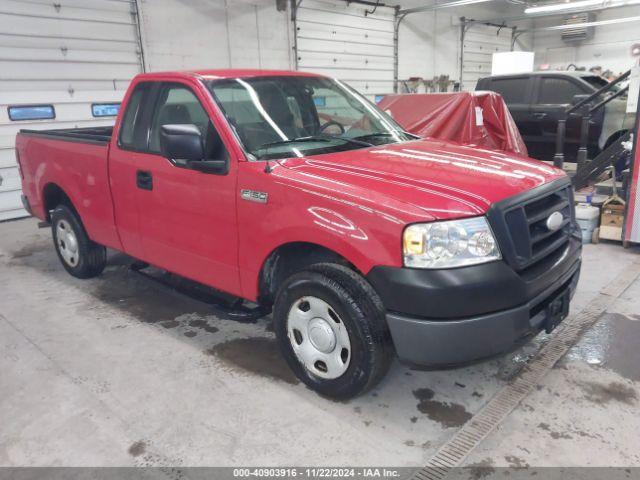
(79, 255)
(331, 329)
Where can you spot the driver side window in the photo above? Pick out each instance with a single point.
(178, 105)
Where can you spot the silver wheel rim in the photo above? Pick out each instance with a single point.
(318, 337)
(67, 243)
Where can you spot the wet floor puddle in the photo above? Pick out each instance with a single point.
(448, 414)
(139, 297)
(612, 343)
(257, 355)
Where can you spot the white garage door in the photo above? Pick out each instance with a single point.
(480, 43)
(338, 40)
(69, 59)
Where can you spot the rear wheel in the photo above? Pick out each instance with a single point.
(79, 255)
(331, 329)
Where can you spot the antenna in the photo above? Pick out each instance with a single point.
(267, 167)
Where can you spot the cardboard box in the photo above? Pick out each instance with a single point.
(613, 215)
(612, 219)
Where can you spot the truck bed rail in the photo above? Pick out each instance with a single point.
(97, 135)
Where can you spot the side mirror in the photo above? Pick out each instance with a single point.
(181, 143)
(578, 98)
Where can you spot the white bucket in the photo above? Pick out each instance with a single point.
(587, 217)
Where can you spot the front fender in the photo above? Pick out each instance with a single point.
(364, 234)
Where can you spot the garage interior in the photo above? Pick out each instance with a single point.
(122, 370)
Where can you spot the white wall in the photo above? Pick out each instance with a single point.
(429, 42)
(181, 34)
(184, 34)
(609, 48)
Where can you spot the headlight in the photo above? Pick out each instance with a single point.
(453, 243)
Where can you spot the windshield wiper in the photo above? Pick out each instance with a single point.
(315, 138)
(386, 135)
(353, 141)
(292, 140)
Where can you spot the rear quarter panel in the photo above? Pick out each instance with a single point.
(80, 170)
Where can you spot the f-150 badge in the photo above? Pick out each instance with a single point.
(254, 196)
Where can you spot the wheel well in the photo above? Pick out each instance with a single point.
(290, 258)
(52, 196)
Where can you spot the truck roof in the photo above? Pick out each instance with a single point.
(542, 73)
(228, 73)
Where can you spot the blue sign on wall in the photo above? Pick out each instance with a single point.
(105, 109)
(31, 112)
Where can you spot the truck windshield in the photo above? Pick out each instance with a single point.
(599, 82)
(295, 116)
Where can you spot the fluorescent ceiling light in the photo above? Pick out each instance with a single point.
(438, 6)
(460, 3)
(561, 7)
(594, 24)
(555, 7)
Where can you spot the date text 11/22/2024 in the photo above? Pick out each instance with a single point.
(317, 472)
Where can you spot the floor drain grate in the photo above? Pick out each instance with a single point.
(502, 404)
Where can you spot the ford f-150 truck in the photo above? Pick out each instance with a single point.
(293, 191)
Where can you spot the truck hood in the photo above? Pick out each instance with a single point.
(430, 178)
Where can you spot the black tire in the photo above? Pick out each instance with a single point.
(91, 257)
(358, 307)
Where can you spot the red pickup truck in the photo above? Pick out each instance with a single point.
(293, 191)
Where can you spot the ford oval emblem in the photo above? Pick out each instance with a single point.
(554, 221)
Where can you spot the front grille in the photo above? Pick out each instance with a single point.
(520, 223)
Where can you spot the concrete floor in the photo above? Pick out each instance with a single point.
(119, 371)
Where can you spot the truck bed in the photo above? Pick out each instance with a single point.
(74, 160)
(99, 135)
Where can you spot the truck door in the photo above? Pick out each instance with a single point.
(187, 218)
(124, 154)
(554, 94)
(516, 92)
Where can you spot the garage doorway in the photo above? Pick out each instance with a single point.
(351, 42)
(479, 43)
(54, 80)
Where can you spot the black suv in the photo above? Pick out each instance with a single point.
(537, 100)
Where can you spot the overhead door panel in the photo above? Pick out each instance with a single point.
(480, 43)
(341, 40)
(69, 54)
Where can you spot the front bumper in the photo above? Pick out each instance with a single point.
(446, 317)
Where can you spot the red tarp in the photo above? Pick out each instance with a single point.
(469, 118)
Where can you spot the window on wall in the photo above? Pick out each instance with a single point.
(558, 91)
(105, 109)
(31, 112)
(513, 90)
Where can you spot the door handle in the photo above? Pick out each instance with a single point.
(539, 115)
(144, 180)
